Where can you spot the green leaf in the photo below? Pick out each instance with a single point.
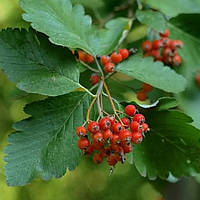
(173, 8)
(171, 147)
(69, 26)
(153, 19)
(45, 144)
(153, 73)
(36, 65)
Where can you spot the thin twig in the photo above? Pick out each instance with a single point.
(90, 108)
(99, 92)
(90, 68)
(99, 68)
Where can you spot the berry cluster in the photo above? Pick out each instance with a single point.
(142, 94)
(164, 49)
(116, 57)
(197, 79)
(110, 139)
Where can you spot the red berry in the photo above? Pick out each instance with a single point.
(157, 44)
(97, 158)
(115, 139)
(116, 57)
(177, 60)
(137, 137)
(81, 131)
(127, 148)
(109, 67)
(89, 59)
(139, 118)
(117, 128)
(197, 78)
(95, 78)
(98, 137)
(89, 150)
(167, 52)
(82, 56)
(124, 53)
(112, 160)
(145, 127)
(125, 121)
(173, 45)
(93, 127)
(107, 135)
(141, 95)
(112, 120)
(165, 41)
(134, 126)
(83, 143)
(156, 54)
(147, 46)
(165, 34)
(125, 135)
(130, 110)
(146, 87)
(105, 60)
(104, 123)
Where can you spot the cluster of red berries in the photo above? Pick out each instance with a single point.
(142, 94)
(164, 49)
(116, 57)
(197, 78)
(110, 139)
(84, 57)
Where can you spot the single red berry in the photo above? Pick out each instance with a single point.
(165, 34)
(105, 60)
(197, 78)
(173, 44)
(127, 148)
(147, 46)
(97, 158)
(81, 131)
(125, 121)
(134, 126)
(167, 52)
(141, 95)
(156, 54)
(116, 57)
(139, 118)
(104, 123)
(82, 56)
(89, 150)
(107, 134)
(83, 143)
(89, 59)
(157, 44)
(125, 135)
(130, 110)
(93, 127)
(165, 41)
(146, 87)
(176, 60)
(137, 137)
(117, 127)
(145, 127)
(124, 53)
(98, 137)
(95, 78)
(109, 67)
(112, 160)
(115, 139)
(112, 120)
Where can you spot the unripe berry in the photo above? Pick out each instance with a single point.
(116, 57)
(83, 143)
(105, 60)
(109, 67)
(137, 137)
(97, 158)
(93, 127)
(124, 53)
(147, 46)
(130, 110)
(104, 123)
(139, 118)
(81, 131)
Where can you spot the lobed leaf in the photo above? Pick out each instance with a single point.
(153, 73)
(35, 65)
